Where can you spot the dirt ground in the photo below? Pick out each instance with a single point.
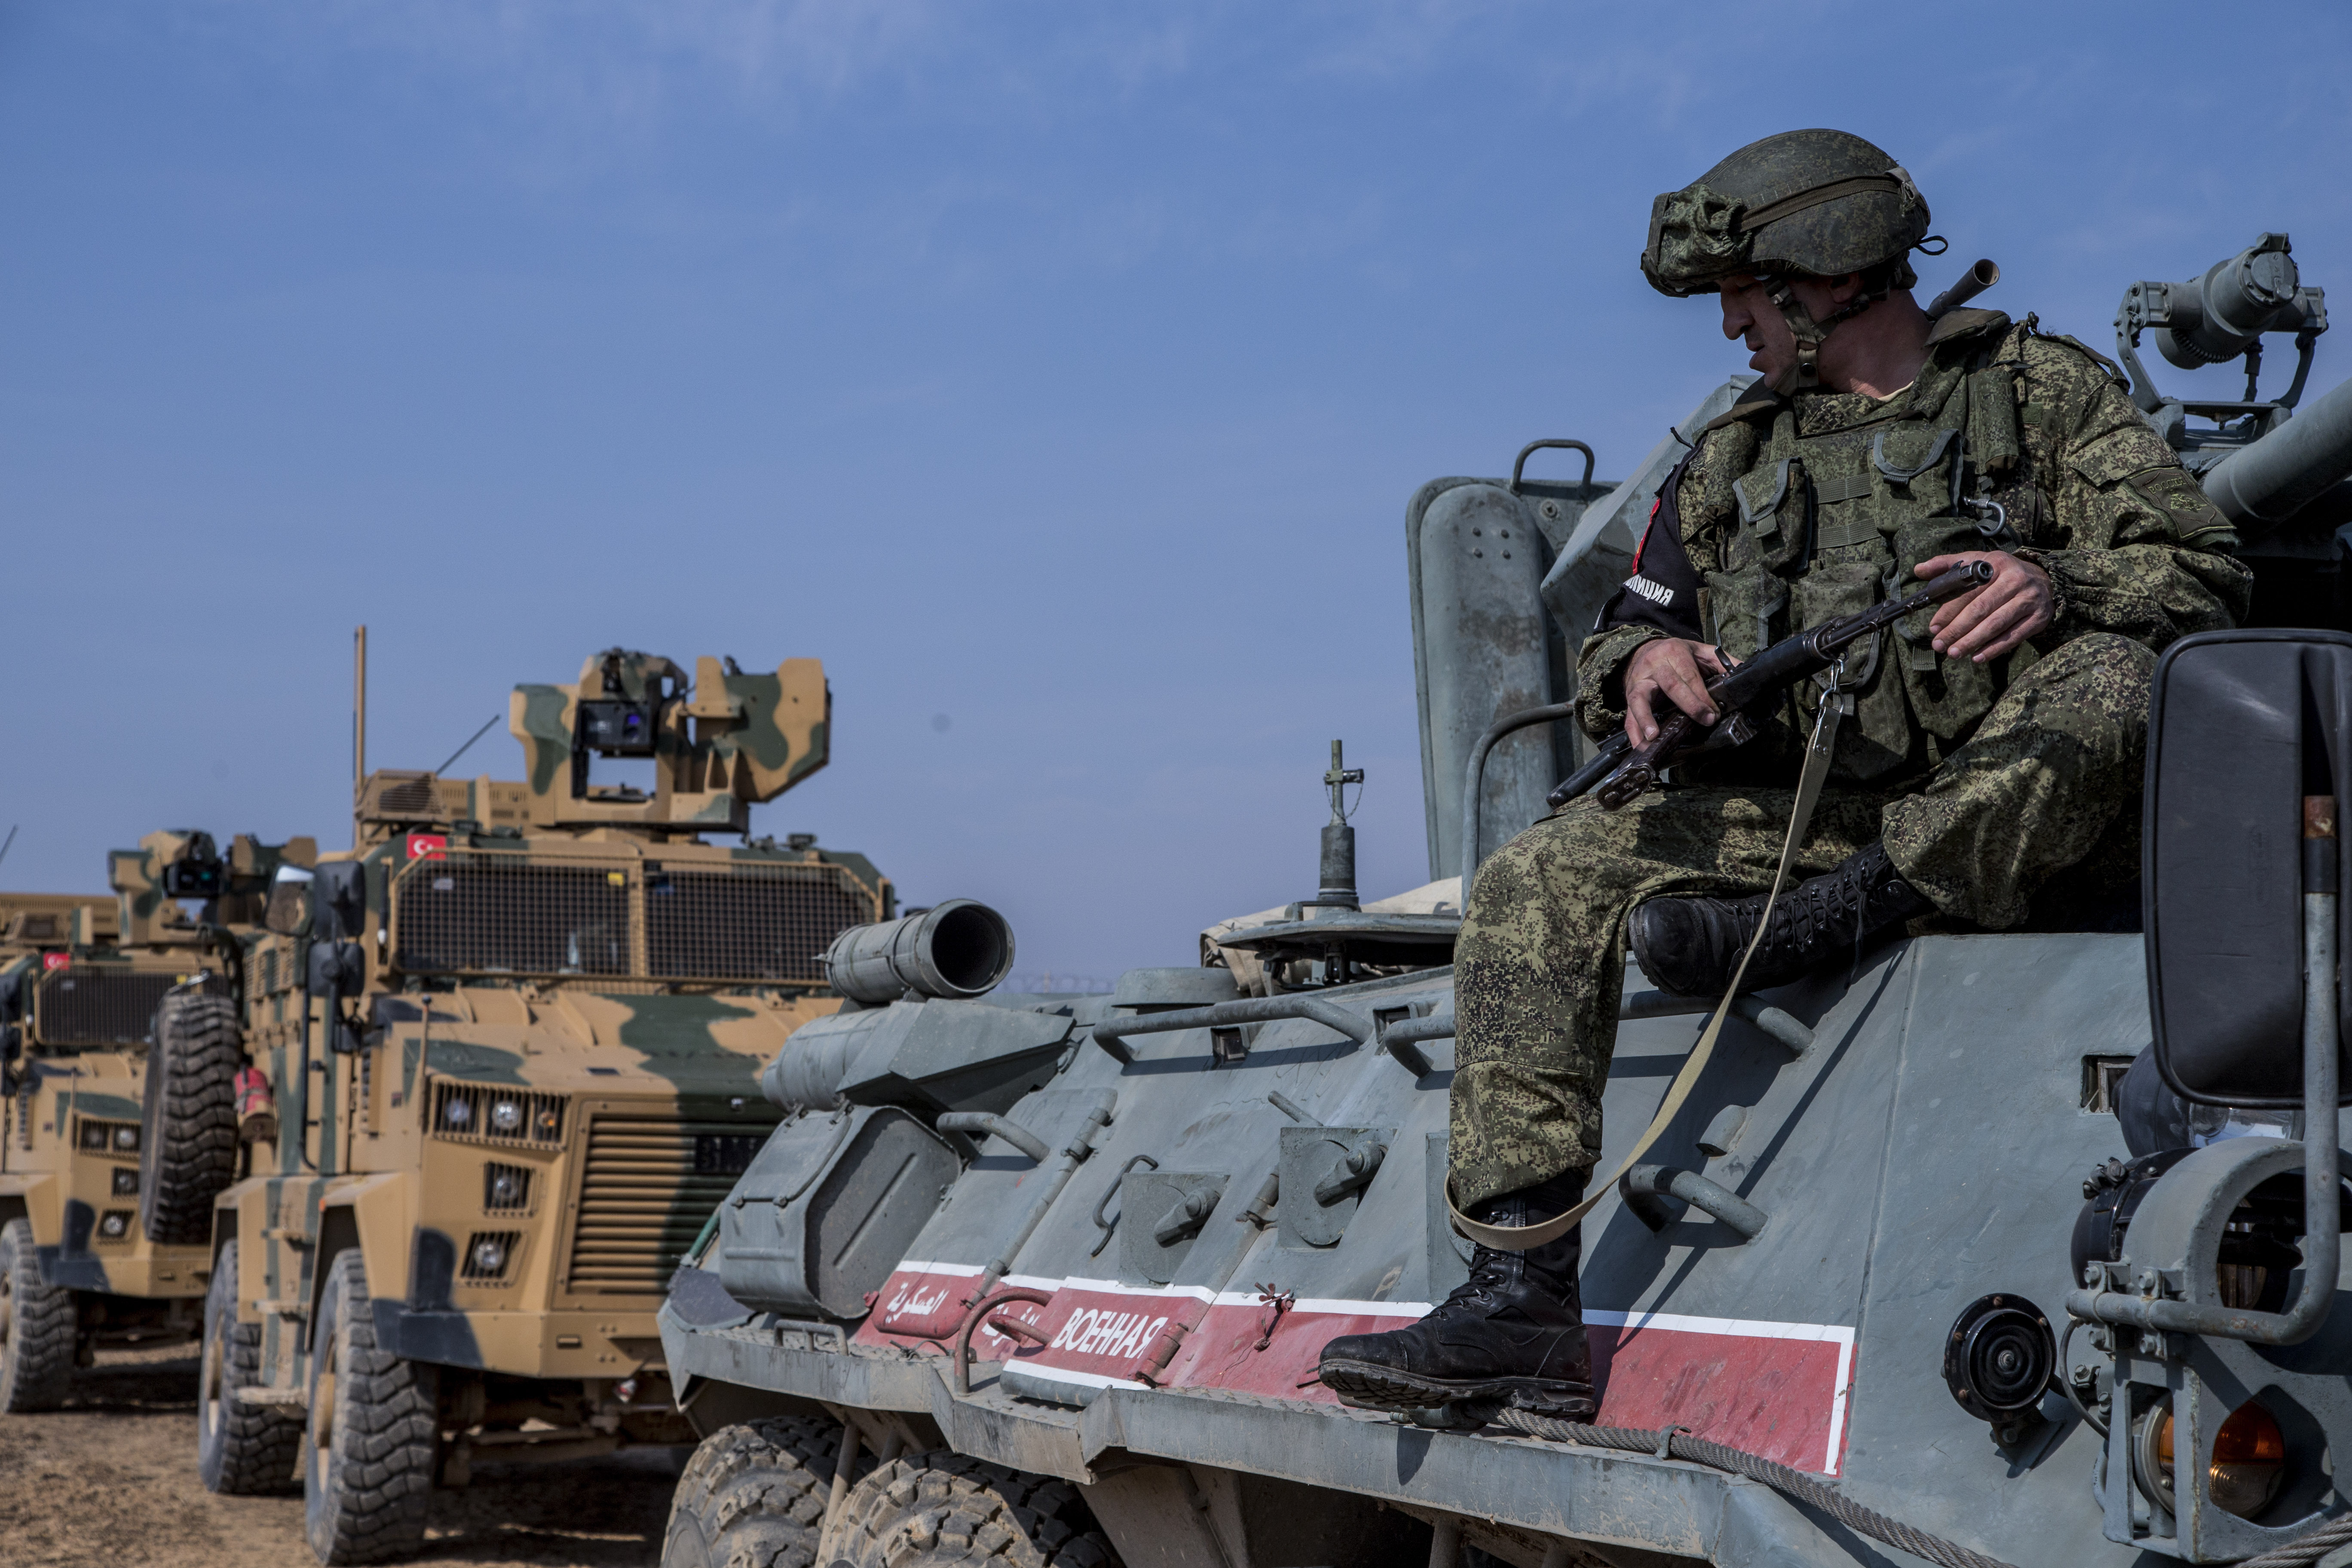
(112, 1479)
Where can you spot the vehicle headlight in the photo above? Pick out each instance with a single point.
(505, 1189)
(490, 1256)
(457, 1114)
(115, 1225)
(505, 1116)
(126, 1139)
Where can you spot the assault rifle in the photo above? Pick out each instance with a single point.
(1623, 770)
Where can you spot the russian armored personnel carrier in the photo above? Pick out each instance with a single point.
(513, 1038)
(86, 1260)
(1046, 1280)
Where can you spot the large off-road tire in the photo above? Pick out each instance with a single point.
(37, 1327)
(188, 1147)
(244, 1450)
(368, 1450)
(948, 1508)
(753, 1496)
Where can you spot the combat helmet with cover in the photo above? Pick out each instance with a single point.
(1817, 203)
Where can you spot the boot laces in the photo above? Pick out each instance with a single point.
(1824, 906)
(1490, 1272)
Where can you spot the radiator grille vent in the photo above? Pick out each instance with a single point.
(748, 922)
(642, 1203)
(85, 1005)
(491, 914)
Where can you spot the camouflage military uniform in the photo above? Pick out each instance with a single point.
(1983, 780)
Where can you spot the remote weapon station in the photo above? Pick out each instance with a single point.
(1046, 1279)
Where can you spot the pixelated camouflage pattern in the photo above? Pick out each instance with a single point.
(2095, 496)
(1541, 961)
(1540, 965)
(1710, 229)
(1982, 818)
(2052, 769)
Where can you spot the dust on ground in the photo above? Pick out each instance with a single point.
(112, 1479)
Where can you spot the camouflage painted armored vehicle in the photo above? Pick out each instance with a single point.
(1065, 1266)
(514, 1037)
(85, 1257)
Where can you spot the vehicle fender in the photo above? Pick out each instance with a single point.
(34, 1195)
(243, 1211)
(376, 1214)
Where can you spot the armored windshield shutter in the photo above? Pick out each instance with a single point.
(2243, 726)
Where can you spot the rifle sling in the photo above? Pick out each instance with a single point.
(1520, 1237)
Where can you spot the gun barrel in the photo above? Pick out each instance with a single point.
(2261, 485)
(1973, 283)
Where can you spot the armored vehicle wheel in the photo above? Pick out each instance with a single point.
(38, 1324)
(367, 1465)
(190, 1139)
(242, 1449)
(948, 1508)
(754, 1495)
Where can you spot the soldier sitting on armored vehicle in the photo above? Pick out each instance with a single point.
(1978, 755)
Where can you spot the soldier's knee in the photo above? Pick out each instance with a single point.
(1521, 874)
(2100, 673)
(2105, 657)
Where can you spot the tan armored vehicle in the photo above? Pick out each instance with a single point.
(514, 1037)
(89, 1255)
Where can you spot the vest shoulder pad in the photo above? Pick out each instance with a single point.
(1761, 400)
(1965, 323)
(2031, 328)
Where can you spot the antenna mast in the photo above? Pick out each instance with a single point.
(358, 726)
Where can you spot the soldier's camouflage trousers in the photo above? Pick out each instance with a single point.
(1541, 963)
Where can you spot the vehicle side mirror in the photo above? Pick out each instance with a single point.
(289, 910)
(2244, 728)
(339, 901)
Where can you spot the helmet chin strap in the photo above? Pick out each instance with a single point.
(1804, 372)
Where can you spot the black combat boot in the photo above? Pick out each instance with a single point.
(1689, 947)
(1513, 1334)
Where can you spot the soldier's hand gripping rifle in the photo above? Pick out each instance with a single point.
(1623, 771)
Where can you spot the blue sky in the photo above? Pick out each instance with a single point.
(1057, 373)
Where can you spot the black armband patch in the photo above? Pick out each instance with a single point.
(1663, 592)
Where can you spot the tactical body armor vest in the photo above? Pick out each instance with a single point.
(1832, 520)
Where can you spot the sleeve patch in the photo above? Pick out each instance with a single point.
(2172, 492)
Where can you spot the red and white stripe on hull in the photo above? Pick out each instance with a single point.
(1774, 1389)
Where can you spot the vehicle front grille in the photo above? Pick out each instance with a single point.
(643, 1203)
(735, 922)
(747, 922)
(88, 1005)
(497, 914)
